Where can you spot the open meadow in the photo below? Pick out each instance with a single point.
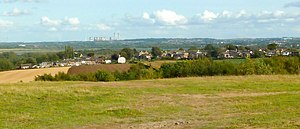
(203, 102)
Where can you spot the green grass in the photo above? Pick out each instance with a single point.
(205, 102)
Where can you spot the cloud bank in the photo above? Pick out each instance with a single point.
(293, 4)
(24, 1)
(4, 23)
(16, 12)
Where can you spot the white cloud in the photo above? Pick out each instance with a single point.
(71, 28)
(16, 12)
(53, 29)
(103, 27)
(293, 4)
(244, 17)
(242, 14)
(279, 14)
(5, 23)
(162, 17)
(72, 21)
(208, 16)
(146, 16)
(45, 21)
(67, 24)
(226, 14)
(168, 17)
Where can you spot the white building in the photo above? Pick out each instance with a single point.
(122, 60)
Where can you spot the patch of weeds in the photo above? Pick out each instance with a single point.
(122, 112)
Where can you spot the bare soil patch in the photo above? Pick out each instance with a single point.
(84, 69)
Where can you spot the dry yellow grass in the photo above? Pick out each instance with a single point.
(28, 75)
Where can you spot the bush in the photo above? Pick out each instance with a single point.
(247, 67)
(262, 68)
(45, 77)
(104, 76)
(61, 76)
(200, 67)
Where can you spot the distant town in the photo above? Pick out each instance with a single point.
(108, 51)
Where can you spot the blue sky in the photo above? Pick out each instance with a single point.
(65, 20)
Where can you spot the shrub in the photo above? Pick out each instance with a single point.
(45, 77)
(61, 76)
(262, 68)
(247, 67)
(104, 76)
(200, 67)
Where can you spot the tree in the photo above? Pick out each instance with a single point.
(9, 55)
(31, 60)
(248, 48)
(5, 64)
(209, 47)
(230, 47)
(181, 49)
(156, 52)
(127, 53)
(193, 48)
(212, 51)
(241, 48)
(258, 54)
(91, 54)
(69, 52)
(60, 55)
(115, 56)
(272, 46)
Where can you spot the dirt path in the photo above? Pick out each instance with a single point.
(28, 75)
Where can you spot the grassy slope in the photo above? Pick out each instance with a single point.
(208, 102)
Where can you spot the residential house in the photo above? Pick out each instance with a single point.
(144, 55)
(26, 66)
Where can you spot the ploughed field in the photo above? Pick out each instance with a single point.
(28, 75)
(203, 102)
(85, 69)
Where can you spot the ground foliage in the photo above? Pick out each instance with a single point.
(189, 68)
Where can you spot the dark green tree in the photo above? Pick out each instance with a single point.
(91, 54)
(128, 53)
(5, 64)
(193, 48)
(69, 52)
(258, 54)
(231, 47)
(212, 51)
(181, 49)
(272, 46)
(156, 52)
(114, 57)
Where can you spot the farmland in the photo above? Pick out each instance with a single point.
(112, 67)
(94, 68)
(27, 75)
(206, 102)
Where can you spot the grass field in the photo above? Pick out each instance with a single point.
(28, 75)
(204, 102)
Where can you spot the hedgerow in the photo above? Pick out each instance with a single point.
(189, 68)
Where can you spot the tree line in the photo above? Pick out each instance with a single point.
(189, 68)
(10, 60)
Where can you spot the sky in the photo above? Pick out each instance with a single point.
(76, 20)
